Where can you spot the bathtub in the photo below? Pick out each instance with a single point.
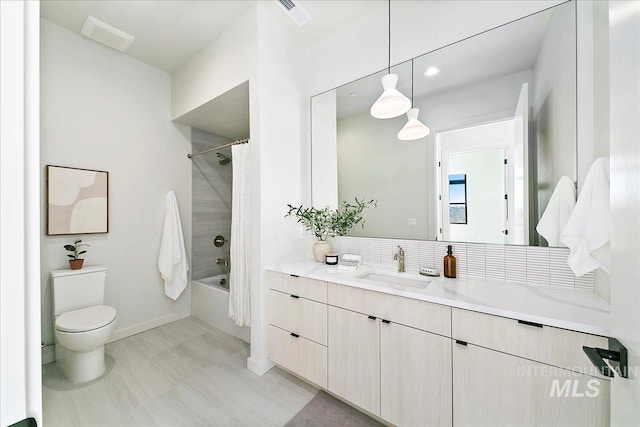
(210, 303)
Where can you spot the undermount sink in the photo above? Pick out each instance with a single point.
(396, 279)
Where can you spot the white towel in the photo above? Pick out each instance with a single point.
(172, 260)
(558, 211)
(587, 233)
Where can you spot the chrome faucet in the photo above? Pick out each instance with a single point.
(399, 256)
(223, 262)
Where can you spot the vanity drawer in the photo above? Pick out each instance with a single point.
(299, 355)
(301, 286)
(304, 317)
(423, 315)
(546, 344)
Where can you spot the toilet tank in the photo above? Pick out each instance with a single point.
(75, 289)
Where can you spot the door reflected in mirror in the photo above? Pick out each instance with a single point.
(508, 94)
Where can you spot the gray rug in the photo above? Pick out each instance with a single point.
(326, 411)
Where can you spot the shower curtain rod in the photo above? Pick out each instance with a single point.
(239, 141)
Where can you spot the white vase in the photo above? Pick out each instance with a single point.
(320, 249)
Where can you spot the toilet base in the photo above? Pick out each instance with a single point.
(81, 367)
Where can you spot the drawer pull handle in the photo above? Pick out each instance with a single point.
(461, 342)
(295, 335)
(616, 353)
(294, 296)
(524, 322)
(294, 275)
(372, 317)
(386, 321)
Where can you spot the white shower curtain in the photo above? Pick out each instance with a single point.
(239, 283)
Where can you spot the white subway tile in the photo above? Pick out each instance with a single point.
(476, 263)
(515, 258)
(494, 262)
(537, 266)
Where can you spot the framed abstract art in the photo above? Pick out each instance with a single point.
(77, 201)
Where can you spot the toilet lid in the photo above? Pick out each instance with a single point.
(86, 319)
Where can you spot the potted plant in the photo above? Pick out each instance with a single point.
(75, 262)
(326, 222)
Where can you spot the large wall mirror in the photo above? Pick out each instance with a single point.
(502, 116)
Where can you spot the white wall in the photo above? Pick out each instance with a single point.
(281, 130)
(257, 48)
(624, 61)
(104, 110)
(227, 62)
(20, 370)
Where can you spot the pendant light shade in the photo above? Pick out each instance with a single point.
(414, 129)
(391, 103)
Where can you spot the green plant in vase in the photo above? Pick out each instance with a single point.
(327, 222)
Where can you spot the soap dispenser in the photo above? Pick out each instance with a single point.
(449, 264)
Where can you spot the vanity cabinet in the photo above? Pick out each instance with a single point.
(354, 358)
(508, 372)
(399, 372)
(417, 363)
(298, 326)
(415, 376)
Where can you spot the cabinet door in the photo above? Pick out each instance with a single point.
(415, 376)
(491, 388)
(354, 358)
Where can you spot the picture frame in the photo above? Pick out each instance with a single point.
(77, 201)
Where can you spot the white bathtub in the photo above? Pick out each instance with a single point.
(210, 303)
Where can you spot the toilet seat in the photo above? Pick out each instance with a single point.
(86, 319)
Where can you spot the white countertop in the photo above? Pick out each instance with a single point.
(575, 310)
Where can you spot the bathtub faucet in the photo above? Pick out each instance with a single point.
(223, 262)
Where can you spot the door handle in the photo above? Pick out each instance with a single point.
(616, 353)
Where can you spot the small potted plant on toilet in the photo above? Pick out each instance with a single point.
(75, 262)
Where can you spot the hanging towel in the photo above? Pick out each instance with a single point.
(558, 211)
(172, 260)
(239, 282)
(587, 233)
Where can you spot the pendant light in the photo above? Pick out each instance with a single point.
(414, 129)
(391, 103)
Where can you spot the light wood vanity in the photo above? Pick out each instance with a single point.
(412, 362)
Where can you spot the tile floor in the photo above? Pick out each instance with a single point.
(181, 374)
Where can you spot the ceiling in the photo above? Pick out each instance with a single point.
(168, 33)
(508, 49)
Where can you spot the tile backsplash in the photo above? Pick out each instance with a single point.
(526, 265)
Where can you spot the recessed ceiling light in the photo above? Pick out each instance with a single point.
(353, 94)
(432, 71)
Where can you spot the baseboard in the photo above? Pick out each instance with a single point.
(145, 326)
(48, 354)
(259, 367)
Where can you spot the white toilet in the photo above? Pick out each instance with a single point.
(82, 323)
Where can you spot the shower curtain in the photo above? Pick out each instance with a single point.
(239, 283)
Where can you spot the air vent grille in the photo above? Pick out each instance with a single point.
(288, 4)
(106, 34)
(295, 11)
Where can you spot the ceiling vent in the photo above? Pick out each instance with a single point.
(106, 34)
(295, 11)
